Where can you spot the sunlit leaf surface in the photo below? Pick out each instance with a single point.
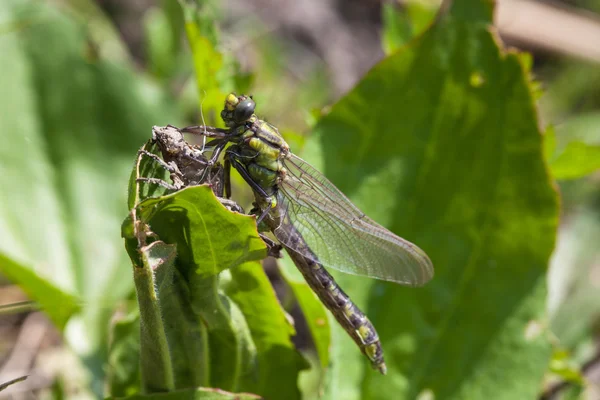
(440, 143)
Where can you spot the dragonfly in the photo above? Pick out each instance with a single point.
(312, 219)
(188, 166)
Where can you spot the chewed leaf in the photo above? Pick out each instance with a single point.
(215, 238)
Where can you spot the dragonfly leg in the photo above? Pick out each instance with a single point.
(214, 178)
(232, 158)
(257, 212)
(273, 248)
(232, 152)
(194, 158)
(265, 212)
(208, 131)
(244, 173)
(217, 152)
(227, 178)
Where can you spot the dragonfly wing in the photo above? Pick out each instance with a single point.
(341, 236)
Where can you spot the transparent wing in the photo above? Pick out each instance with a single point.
(338, 234)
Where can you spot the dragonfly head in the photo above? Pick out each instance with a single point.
(238, 109)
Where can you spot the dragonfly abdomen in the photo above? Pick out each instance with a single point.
(348, 315)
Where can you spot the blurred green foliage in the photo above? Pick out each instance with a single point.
(71, 122)
(439, 142)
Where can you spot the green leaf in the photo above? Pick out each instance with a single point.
(124, 356)
(562, 365)
(190, 330)
(156, 363)
(60, 305)
(237, 343)
(577, 149)
(200, 26)
(71, 122)
(577, 160)
(144, 167)
(217, 73)
(279, 363)
(455, 165)
(208, 236)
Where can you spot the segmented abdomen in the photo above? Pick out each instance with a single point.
(348, 315)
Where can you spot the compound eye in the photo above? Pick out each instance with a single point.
(244, 110)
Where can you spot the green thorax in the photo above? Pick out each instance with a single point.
(261, 147)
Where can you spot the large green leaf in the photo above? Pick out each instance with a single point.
(71, 124)
(440, 143)
(192, 335)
